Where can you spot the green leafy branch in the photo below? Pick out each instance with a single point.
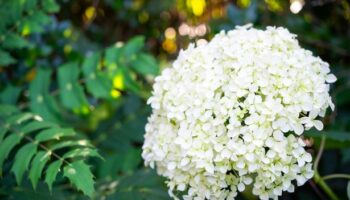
(41, 148)
(44, 140)
(97, 72)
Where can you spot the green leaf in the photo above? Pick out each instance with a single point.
(71, 92)
(51, 173)
(131, 160)
(41, 18)
(38, 164)
(85, 152)
(50, 6)
(133, 46)
(145, 64)
(6, 59)
(11, 11)
(30, 26)
(6, 110)
(70, 143)
(22, 159)
(125, 162)
(34, 23)
(7, 145)
(41, 102)
(54, 133)
(3, 131)
(135, 187)
(97, 82)
(29, 4)
(14, 41)
(19, 118)
(80, 176)
(36, 125)
(130, 83)
(10, 94)
(112, 56)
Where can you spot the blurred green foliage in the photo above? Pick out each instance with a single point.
(75, 77)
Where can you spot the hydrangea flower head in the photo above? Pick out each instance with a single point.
(228, 115)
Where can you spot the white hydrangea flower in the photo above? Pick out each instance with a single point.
(229, 114)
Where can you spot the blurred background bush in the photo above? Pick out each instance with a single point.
(86, 68)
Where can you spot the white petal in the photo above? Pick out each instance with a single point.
(318, 124)
(331, 78)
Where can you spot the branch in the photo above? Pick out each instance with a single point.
(320, 152)
(16, 131)
(332, 176)
(317, 178)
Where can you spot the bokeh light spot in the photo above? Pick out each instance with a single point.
(296, 6)
(90, 13)
(118, 81)
(170, 33)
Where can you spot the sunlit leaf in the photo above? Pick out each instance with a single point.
(19, 118)
(54, 133)
(85, 152)
(112, 56)
(130, 83)
(80, 176)
(36, 125)
(34, 23)
(70, 143)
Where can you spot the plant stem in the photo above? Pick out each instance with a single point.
(317, 190)
(318, 180)
(331, 176)
(319, 154)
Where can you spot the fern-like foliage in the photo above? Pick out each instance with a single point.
(79, 85)
(40, 147)
(35, 111)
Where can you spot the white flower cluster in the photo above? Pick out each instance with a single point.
(228, 115)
